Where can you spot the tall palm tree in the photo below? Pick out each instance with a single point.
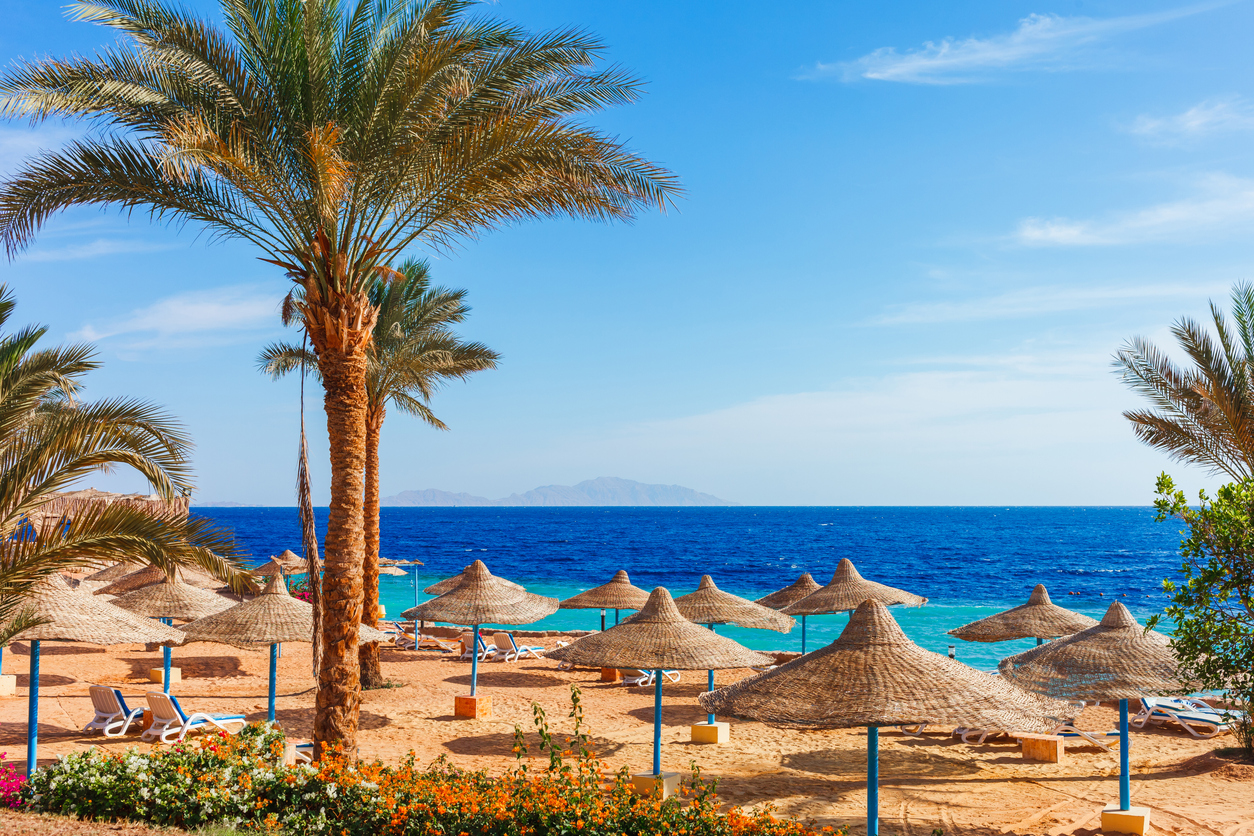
(50, 440)
(331, 134)
(413, 352)
(1203, 414)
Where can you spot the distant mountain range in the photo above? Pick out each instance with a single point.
(606, 490)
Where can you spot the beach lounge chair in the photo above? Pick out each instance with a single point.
(170, 722)
(484, 650)
(1194, 716)
(113, 717)
(510, 651)
(1097, 738)
(631, 676)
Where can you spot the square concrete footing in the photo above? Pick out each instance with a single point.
(611, 675)
(157, 675)
(717, 732)
(646, 783)
(1046, 748)
(475, 708)
(1132, 820)
(8, 685)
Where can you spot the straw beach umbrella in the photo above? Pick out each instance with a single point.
(659, 638)
(109, 574)
(873, 676)
(1114, 660)
(482, 598)
(272, 617)
(1038, 619)
(711, 605)
(451, 583)
(75, 616)
(845, 591)
(616, 595)
(791, 594)
(169, 599)
(393, 570)
(270, 568)
(151, 574)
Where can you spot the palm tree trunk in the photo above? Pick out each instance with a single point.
(371, 670)
(343, 368)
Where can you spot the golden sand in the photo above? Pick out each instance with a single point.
(926, 782)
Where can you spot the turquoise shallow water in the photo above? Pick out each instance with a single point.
(969, 562)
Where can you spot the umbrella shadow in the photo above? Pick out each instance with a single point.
(50, 648)
(191, 666)
(46, 680)
(672, 715)
(531, 678)
(852, 762)
(502, 743)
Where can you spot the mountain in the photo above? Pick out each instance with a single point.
(607, 490)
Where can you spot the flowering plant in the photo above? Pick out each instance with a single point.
(10, 784)
(240, 782)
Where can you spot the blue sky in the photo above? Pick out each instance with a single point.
(914, 234)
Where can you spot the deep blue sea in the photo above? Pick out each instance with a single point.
(969, 562)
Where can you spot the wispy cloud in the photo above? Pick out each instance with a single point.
(195, 318)
(1222, 205)
(96, 249)
(1041, 42)
(16, 144)
(1213, 116)
(1034, 301)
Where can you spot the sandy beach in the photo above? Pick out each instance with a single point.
(926, 782)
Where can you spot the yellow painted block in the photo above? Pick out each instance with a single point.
(1047, 748)
(711, 732)
(8, 685)
(157, 675)
(1132, 820)
(646, 783)
(476, 708)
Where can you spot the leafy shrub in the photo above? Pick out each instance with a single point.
(10, 783)
(240, 782)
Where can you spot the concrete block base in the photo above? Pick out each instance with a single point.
(476, 708)
(157, 675)
(8, 685)
(611, 675)
(646, 783)
(1046, 748)
(1132, 820)
(711, 732)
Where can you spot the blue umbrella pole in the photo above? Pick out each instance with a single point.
(1, 658)
(803, 635)
(32, 712)
(474, 659)
(602, 621)
(1039, 641)
(415, 577)
(657, 724)
(615, 618)
(274, 676)
(872, 781)
(165, 662)
(1125, 783)
(709, 718)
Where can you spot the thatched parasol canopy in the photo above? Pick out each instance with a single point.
(79, 617)
(847, 590)
(272, 617)
(483, 598)
(1114, 660)
(618, 594)
(151, 574)
(68, 504)
(711, 605)
(451, 583)
(1039, 618)
(790, 594)
(392, 570)
(270, 568)
(873, 675)
(171, 598)
(659, 638)
(109, 574)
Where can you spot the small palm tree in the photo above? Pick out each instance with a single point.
(1203, 414)
(331, 134)
(413, 352)
(50, 440)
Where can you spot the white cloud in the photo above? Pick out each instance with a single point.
(194, 318)
(1223, 205)
(1224, 115)
(95, 249)
(16, 144)
(1035, 301)
(1041, 42)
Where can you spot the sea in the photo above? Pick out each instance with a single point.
(969, 562)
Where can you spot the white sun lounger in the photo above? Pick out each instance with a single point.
(113, 717)
(511, 651)
(632, 676)
(1194, 716)
(170, 722)
(485, 651)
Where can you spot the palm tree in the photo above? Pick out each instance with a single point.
(331, 134)
(1204, 414)
(412, 353)
(50, 440)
